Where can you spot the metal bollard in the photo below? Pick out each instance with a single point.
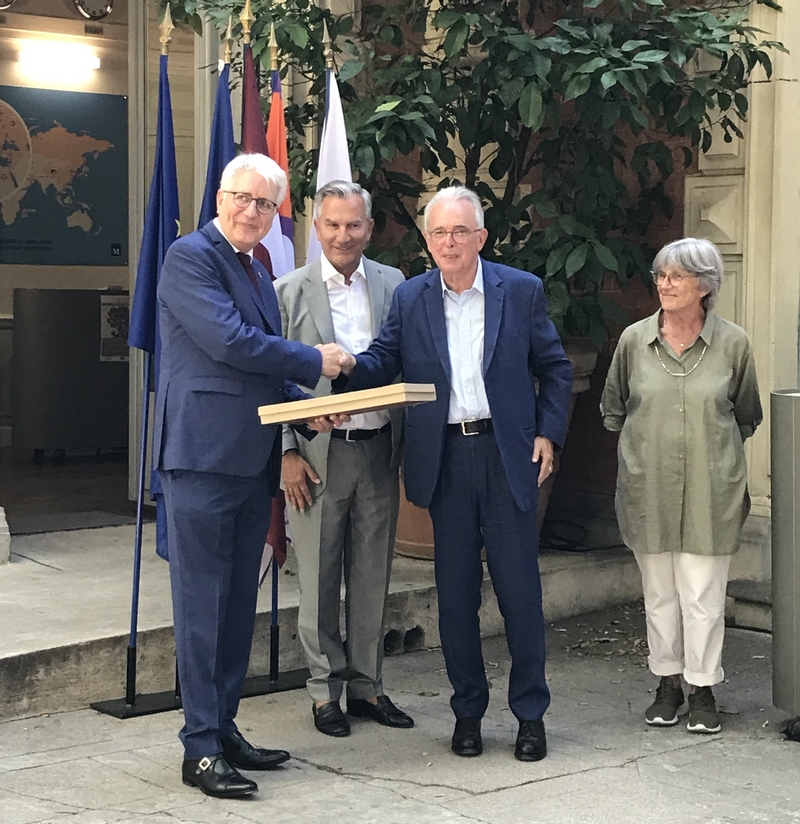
(785, 463)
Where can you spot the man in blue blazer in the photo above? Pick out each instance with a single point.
(476, 456)
(222, 356)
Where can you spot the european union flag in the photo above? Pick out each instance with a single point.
(161, 228)
(161, 225)
(222, 148)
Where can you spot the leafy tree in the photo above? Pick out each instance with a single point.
(567, 116)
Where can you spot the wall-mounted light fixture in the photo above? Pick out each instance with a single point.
(57, 62)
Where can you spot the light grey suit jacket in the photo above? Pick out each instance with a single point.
(306, 318)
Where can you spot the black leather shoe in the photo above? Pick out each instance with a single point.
(467, 739)
(330, 719)
(215, 777)
(384, 712)
(531, 741)
(241, 754)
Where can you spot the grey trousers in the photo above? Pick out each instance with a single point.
(348, 531)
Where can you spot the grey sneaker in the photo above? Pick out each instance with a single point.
(703, 716)
(663, 712)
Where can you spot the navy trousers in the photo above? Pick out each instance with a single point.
(216, 527)
(473, 507)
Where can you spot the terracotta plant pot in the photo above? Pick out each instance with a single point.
(414, 527)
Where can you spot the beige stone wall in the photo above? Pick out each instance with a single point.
(746, 198)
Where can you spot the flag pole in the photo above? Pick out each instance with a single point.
(247, 18)
(228, 42)
(130, 679)
(273, 49)
(130, 674)
(327, 46)
(133, 705)
(274, 627)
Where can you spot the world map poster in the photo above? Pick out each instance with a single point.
(63, 178)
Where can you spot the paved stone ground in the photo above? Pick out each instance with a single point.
(605, 764)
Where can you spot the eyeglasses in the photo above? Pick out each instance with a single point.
(243, 200)
(672, 278)
(459, 235)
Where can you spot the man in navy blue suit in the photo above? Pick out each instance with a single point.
(476, 456)
(223, 356)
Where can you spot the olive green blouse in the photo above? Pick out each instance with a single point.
(682, 478)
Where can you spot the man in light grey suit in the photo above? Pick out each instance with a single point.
(345, 519)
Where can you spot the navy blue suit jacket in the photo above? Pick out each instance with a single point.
(520, 345)
(222, 356)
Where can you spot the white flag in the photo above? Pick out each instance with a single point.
(334, 157)
(281, 251)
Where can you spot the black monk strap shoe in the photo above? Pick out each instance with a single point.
(467, 737)
(384, 712)
(242, 755)
(531, 741)
(330, 720)
(215, 777)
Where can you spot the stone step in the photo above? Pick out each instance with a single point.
(89, 663)
(750, 604)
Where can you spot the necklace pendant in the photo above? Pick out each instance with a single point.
(680, 374)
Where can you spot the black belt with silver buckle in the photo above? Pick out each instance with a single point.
(359, 434)
(471, 427)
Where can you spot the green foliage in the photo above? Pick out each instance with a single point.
(567, 123)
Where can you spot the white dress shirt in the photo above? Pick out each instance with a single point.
(352, 326)
(464, 317)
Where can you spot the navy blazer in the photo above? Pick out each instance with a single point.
(520, 345)
(222, 356)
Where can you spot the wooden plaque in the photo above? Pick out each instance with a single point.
(348, 403)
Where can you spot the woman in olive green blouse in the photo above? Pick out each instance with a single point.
(682, 392)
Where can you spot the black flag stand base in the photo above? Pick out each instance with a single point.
(134, 706)
(275, 681)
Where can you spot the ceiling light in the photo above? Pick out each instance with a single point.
(57, 61)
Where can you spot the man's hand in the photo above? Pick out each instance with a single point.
(543, 451)
(333, 359)
(327, 422)
(295, 470)
(348, 364)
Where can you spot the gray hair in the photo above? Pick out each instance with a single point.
(699, 257)
(342, 189)
(262, 165)
(456, 193)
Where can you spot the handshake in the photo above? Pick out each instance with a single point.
(335, 360)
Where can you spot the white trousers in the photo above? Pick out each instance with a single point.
(684, 601)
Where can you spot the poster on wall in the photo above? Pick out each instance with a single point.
(114, 324)
(63, 178)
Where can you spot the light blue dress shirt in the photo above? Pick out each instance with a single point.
(464, 317)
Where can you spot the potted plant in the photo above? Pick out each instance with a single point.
(566, 116)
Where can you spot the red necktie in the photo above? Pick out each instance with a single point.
(248, 267)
